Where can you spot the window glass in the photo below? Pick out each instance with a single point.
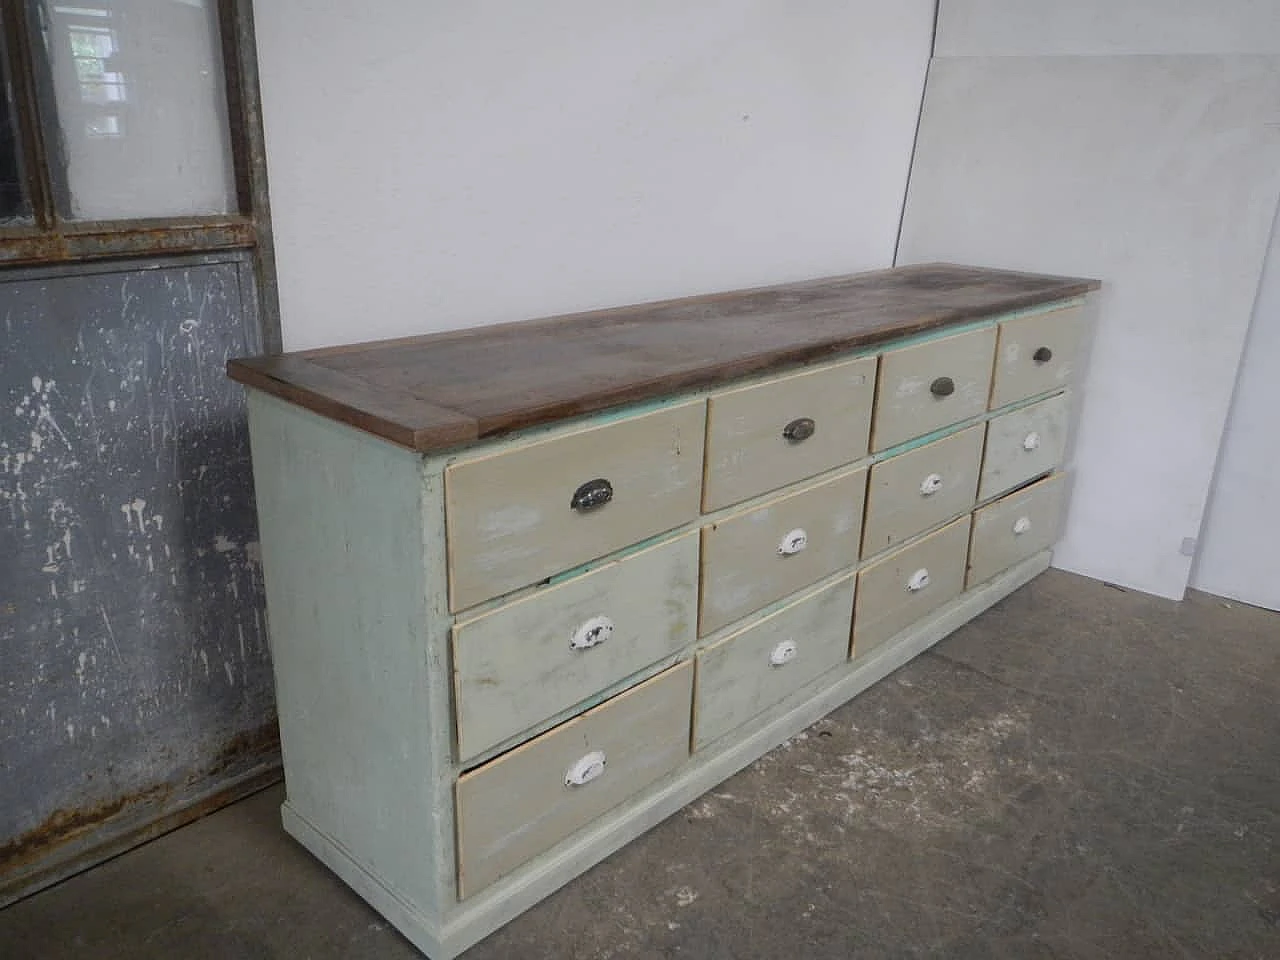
(141, 109)
(15, 207)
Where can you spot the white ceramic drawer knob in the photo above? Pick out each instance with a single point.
(1021, 526)
(783, 653)
(585, 769)
(591, 633)
(1031, 441)
(918, 580)
(930, 484)
(795, 541)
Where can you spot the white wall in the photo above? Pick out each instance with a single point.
(444, 164)
(1238, 543)
(1156, 173)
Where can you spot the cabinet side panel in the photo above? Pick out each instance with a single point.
(342, 543)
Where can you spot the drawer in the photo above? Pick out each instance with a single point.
(932, 384)
(914, 491)
(752, 558)
(528, 800)
(751, 670)
(530, 659)
(1036, 354)
(909, 584)
(524, 513)
(765, 436)
(1023, 444)
(1016, 527)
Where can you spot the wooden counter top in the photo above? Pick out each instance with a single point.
(446, 389)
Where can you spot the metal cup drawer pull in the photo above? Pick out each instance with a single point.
(592, 495)
(585, 769)
(918, 580)
(1042, 355)
(930, 484)
(591, 633)
(942, 387)
(1021, 526)
(1031, 441)
(799, 430)
(783, 653)
(793, 542)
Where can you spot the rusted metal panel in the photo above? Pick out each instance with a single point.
(124, 238)
(134, 668)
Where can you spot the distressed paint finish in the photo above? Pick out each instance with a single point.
(1023, 444)
(515, 666)
(748, 449)
(749, 671)
(1037, 354)
(907, 405)
(1015, 527)
(510, 514)
(526, 801)
(132, 624)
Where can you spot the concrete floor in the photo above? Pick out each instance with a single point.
(1081, 772)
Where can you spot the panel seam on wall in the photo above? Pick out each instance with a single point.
(915, 136)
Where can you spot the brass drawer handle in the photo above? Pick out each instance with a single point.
(1043, 355)
(942, 387)
(592, 495)
(799, 430)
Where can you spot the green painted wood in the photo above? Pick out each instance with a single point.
(1037, 354)
(910, 493)
(1015, 527)
(355, 530)
(509, 509)
(1023, 444)
(470, 921)
(743, 567)
(748, 451)
(525, 802)
(342, 551)
(908, 403)
(749, 671)
(891, 598)
(515, 666)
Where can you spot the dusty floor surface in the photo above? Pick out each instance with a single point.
(1081, 772)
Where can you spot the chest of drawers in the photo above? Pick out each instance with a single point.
(532, 588)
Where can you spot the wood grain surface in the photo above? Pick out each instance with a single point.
(445, 389)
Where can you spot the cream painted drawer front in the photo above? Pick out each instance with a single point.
(1036, 354)
(510, 516)
(908, 584)
(530, 659)
(752, 558)
(523, 803)
(767, 435)
(1015, 527)
(1023, 444)
(932, 384)
(910, 493)
(749, 671)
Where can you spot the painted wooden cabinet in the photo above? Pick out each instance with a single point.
(534, 588)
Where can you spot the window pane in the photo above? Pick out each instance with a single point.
(141, 108)
(14, 205)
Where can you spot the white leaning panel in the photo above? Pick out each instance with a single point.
(1160, 176)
